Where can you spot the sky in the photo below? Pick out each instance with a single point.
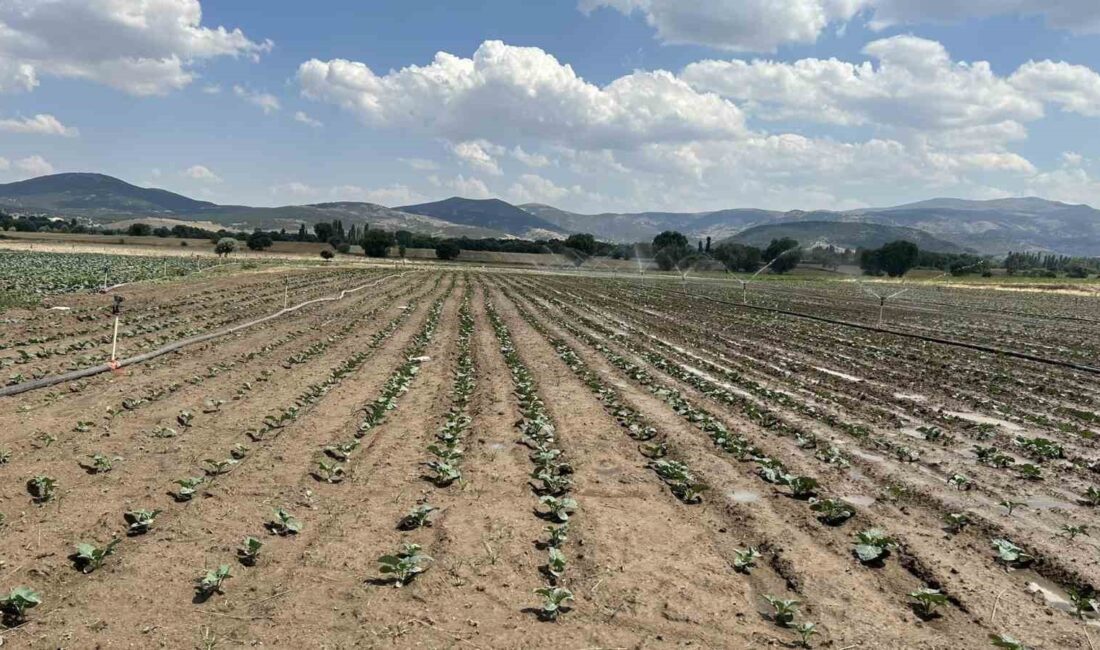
(587, 105)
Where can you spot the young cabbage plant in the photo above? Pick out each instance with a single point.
(554, 484)
(926, 600)
(1091, 496)
(1073, 531)
(249, 551)
(211, 582)
(956, 521)
(1011, 555)
(405, 565)
(688, 491)
(802, 487)
(444, 473)
(188, 487)
(832, 511)
(559, 509)
(557, 535)
(1010, 505)
(42, 488)
(961, 482)
(342, 451)
(553, 601)
(100, 464)
(329, 472)
(184, 418)
(784, 610)
(284, 523)
(18, 601)
(218, 467)
(1083, 601)
(140, 521)
(238, 452)
(1030, 472)
(745, 560)
(806, 631)
(91, 557)
(1007, 642)
(417, 517)
(555, 564)
(654, 450)
(873, 545)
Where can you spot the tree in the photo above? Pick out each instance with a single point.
(582, 243)
(327, 254)
(139, 230)
(707, 249)
(376, 243)
(259, 240)
(447, 250)
(894, 259)
(784, 255)
(670, 248)
(323, 231)
(225, 246)
(302, 235)
(739, 257)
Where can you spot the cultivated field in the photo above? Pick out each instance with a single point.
(693, 471)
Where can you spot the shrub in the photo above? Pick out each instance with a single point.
(225, 246)
(447, 250)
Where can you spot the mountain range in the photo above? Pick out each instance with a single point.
(943, 224)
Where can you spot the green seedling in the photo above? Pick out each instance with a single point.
(1010, 505)
(784, 610)
(745, 560)
(83, 426)
(18, 601)
(405, 565)
(238, 452)
(91, 557)
(555, 484)
(832, 511)
(140, 521)
(184, 418)
(553, 601)
(873, 545)
(1073, 531)
(956, 521)
(1007, 642)
(1092, 496)
(164, 432)
(805, 632)
(1083, 600)
(249, 551)
(560, 508)
(557, 535)
(1010, 554)
(211, 582)
(418, 517)
(555, 565)
(802, 487)
(284, 523)
(100, 464)
(5, 456)
(444, 473)
(188, 487)
(960, 482)
(329, 472)
(219, 467)
(42, 488)
(926, 600)
(343, 450)
(688, 491)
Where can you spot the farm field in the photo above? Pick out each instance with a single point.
(671, 465)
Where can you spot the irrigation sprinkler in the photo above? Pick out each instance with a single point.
(882, 299)
(745, 283)
(116, 310)
(286, 291)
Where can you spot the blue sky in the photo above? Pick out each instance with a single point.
(591, 106)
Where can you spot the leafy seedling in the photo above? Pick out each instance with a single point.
(805, 632)
(832, 511)
(557, 535)
(1010, 506)
(1091, 497)
(211, 582)
(559, 509)
(555, 565)
(784, 610)
(802, 487)
(745, 560)
(1073, 531)
(444, 473)
(83, 426)
(417, 517)
(1007, 642)
(1083, 601)
(249, 551)
(42, 488)
(188, 487)
(873, 545)
(553, 601)
(926, 600)
(184, 418)
(18, 601)
(554, 484)
(329, 472)
(284, 523)
(956, 521)
(405, 565)
(1011, 555)
(140, 521)
(961, 482)
(238, 452)
(343, 450)
(218, 467)
(91, 557)
(688, 491)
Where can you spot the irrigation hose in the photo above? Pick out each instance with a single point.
(44, 382)
(882, 330)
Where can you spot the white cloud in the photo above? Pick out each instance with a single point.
(470, 188)
(764, 25)
(302, 117)
(529, 159)
(5, 164)
(475, 154)
(142, 48)
(33, 166)
(506, 92)
(202, 174)
(1075, 88)
(267, 102)
(1072, 159)
(40, 124)
(294, 189)
(211, 89)
(420, 164)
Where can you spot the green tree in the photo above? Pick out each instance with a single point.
(670, 248)
(784, 255)
(225, 246)
(323, 231)
(139, 230)
(739, 257)
(259, 240)
(897, 258)
(327, 254)
(447, 250)
(376, 243)
(582, 243)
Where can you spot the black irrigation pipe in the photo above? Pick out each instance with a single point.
(44, 382)
(881, 330)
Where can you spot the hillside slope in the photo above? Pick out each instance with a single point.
(849, 235)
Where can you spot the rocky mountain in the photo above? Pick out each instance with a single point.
(489, 213)
(843, 234)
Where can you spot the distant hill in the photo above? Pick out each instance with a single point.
(91, 194)
(487, 213)
(843, 235)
